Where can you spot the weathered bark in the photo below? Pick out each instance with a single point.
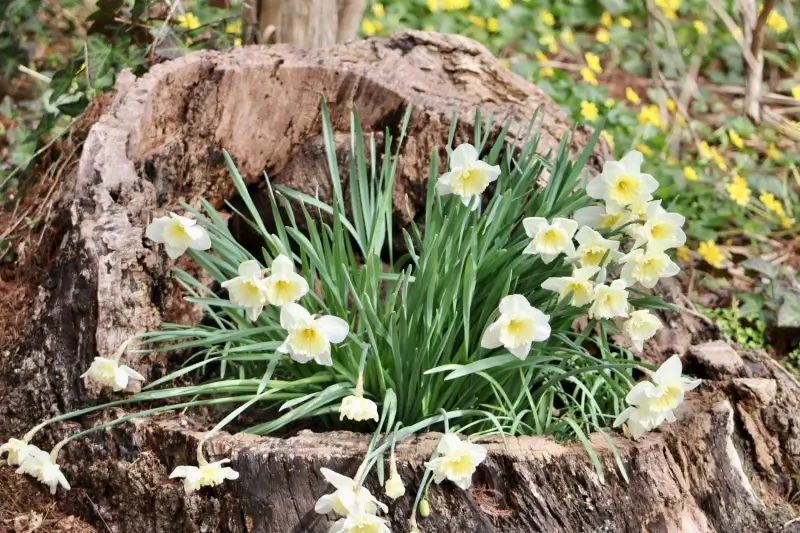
(308, 23)
(728, 464)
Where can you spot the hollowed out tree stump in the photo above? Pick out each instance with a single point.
(730, 464)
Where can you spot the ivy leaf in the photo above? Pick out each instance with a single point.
(62, 80)
(98, 52)
(789, 313)
(762, 267)
(73, 109)
(139, 8)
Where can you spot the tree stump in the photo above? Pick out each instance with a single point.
(730, 464)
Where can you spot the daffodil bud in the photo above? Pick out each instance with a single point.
(424, 508)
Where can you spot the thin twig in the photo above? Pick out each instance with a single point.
(734, 30)
(35, 155)
(758, 32)
(681, 109)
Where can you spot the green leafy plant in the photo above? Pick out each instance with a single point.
(775, 298)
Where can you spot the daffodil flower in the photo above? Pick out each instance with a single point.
(310, 337)
(599, 217)
(594, 250)
(580, 285)
(622, 182)
(457, 460)
(248, 290)
(18, 451)
(40, 464)
(359, 520)
(394, 485)
(206, 475)
(346, 496)
(662, 231)
(647, 267)
(283, 285)
(642, 325)
(548, 240)
(356, 407)
(112, 374)
(518, 326)
(468, 176)
(610, 300)
(178, 233)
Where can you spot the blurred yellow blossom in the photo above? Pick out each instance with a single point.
(547, 72)
(671, 105)
(369, 27)
(609, 102)
(738, 190)
(690, 173)
(428, 27)
(547, 18)
(593, 62)
(736, 139)
(602, 36)
(796, 91)
(786, 222)
(541, 58)
(188, 21)
(568, 37)
(237, 41)
(588, 76)
(705, 150)
(672, 161)
(504, 4)
(589, 110)
(683, 254)
(772, 203)
(632, 97)
(452, 5)
(625, 22)
(609, 139)
(433, 6)
(505, 63)
(550, 42)
(477, 21)
(718, 159)
(492, 24)
(700, 26)
(669, 8)
(649, 115)
(234, 28)
(606, 20)
(777, 22)
(711, 253)
(644, 149)
(773, 152)
(378, 10)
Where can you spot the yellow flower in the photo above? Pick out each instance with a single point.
(772, 203)
(369, 27)
(736, 139)
(625, 22)
(589, 110)
(711, 253)
(479, 22)
(505, 63)
(504, 4)
(669, 7)
(593, 62)
(588, 76)
(452, 5)
(777, 22)
(606, 20)
(609, 102)
(632, 97)
(705, 150)
(492, 24)
(568, 37)
(546, 72)
(541, 58)
(234, 27)
(718, 159)
(786, 222)
(645, 149)
(378, 10)
(547, 18)
(602, 36)
(237, 41)
(609, 139)
(550, 42)
(796, 91)
(773, 152)
(690, 173)
(188, 21)
(738, 190)
(671, 105)
(433, 6)
(700, 26)
(683, 254)
(649, 115)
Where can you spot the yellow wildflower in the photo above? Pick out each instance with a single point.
(777, 22)
(452, 5)
(606, 20)
(550, 42)
(625, 22)
(736, 139)
(504, 4)
(649, 115)
(669, 8)
(378, 10)
(234, 28)
(690, 173)
(492, 24)
(477, 21)
(671, 105)
(683, 254)
(646, 150)
(786, 222)
(773, 152)
(609, 102)
(546, 72)
(711, 253)
(369, 27)
(588, 76)
(237, 41)
(705, 150)
(632, 97)
(188, 21)
(796, 91)
(589, 110)
(609, 139)
(602, 36)
(593, 62)
(568, 37)
(718, 159)
(772, 203)
(547, 18)
(505, 63)
(738, 190)
(433, 6)
(700, 26)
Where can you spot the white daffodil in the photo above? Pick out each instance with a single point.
(468, 176)
(580, 284)
(358, 408)
(457, 460)
(593, 249)
(549, 240)
(359, 520)
(17, 450)
(394, 485)
(110, 373)
(654, 401)
(283, 285)
(622, 182)
(662, 231)
(599, 217)
(248, 290)
(207, 475)
(610, 300)
(178, 233)
(40, 465)
(346, 496)
(310, 337)
(641, 326)
(518, 326)
(646, 267)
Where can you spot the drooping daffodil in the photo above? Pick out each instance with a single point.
(641, 325)
(548, 240)
(622, 182)
(359, 520)
(457, 460)
(205, 475)
(346, 496)
(112, 374)
(248, 290)
(468, 176)
(519, 325)
(394, 485)
(610, 300)
(284, 285)
(580, 285)
(646, 267)
(309, 337)
(40, 464)
(356, 407)
(17, 450)
(178, 233)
